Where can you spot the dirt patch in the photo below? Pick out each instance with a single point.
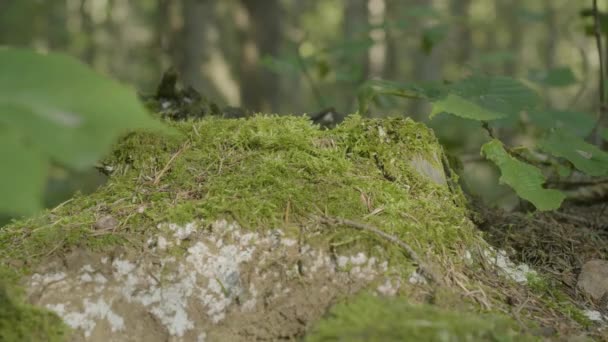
(200, 281)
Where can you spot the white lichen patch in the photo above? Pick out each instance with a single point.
(86, 319)
(518, 273)
(594, 315)
(417, 279)
(190, 279)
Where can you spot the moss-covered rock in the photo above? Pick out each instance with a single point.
(218, 232)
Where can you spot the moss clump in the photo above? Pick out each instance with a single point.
(264, 172)
(368, 318)
(555, 299)
(20, 322)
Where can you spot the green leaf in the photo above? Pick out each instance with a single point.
(464, 108)
(22, 177)
(370, 89)
(486, 98)
(577, 123)
(525, 179)
(605, 134)
(556, 77)
(584, 156)
(55, 109)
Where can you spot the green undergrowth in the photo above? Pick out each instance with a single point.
(23, 322)
(265, 172)
(555, 299)
(369, 318)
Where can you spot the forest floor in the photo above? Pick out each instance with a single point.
(556, 245)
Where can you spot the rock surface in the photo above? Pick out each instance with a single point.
(593, 279)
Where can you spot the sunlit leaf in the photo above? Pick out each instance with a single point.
(525, 179)
(486, 98)
(58, 110)
(459, 106)
(584, 156)
(370, 89)
(556, 77)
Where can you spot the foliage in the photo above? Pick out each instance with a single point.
(23, 322)
(485, 98)
(369, 318)
(55, 110)
(526, 179)
(495, 101)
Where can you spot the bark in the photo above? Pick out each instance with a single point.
(197, 18)
(508, 11)
(260, 36)
(356, 16)
(462, 35)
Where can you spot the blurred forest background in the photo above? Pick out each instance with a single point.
(301, 56)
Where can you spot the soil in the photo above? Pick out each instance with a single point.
(555, 244)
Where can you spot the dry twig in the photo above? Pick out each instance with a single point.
(424, 266)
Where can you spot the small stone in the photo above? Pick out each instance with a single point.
(593, 279)
(106, 222)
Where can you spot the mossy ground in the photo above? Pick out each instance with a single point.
(266, 172)
(368, 318)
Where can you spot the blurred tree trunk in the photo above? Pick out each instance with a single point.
(56, 30)
(261, 36)
(163, 34)
(356, 22)
(507, 10)
(197, 18)
(462, 33)
(356, 25)
(427, 66)
(550, 50)
(88, 29)
(392, 69)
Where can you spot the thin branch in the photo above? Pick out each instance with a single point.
(424, 267)
(595, 136)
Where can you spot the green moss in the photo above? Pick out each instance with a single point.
(265, 172)
(368, 318)
(555, 299)
(20, 322)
